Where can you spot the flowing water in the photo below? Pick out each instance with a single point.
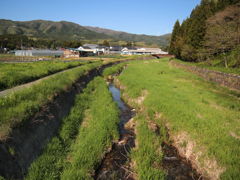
(116, 165)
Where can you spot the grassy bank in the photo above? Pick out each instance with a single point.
(14, 74)
(148, 154)
(212, 65)
(208, 116)
(114, 69)
(94, 117)
(20, 105)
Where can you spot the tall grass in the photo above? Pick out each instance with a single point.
(113, 69)
(50, 164)
(148, 154)
(94, 117)
(209, 114)
(13, 74)
(100, 129)
(20, 105)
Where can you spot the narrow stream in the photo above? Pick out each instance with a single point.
(116, 165)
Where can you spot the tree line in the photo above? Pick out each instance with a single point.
(212, 29)
(14, 41)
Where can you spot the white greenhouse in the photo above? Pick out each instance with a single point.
(38, 53)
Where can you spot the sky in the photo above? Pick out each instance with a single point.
(151, 17)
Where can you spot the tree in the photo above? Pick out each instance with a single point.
(106, 43)
(129, 44)
(223, 31)
(188, 39)
(175, 34)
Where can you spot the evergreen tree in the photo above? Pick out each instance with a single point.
(175, 34)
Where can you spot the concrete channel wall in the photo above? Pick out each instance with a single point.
(228, 80)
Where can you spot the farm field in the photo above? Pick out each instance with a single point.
(19, 105)
(180, 125)
(13, 74)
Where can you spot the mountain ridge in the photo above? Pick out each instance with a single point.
(62, 30)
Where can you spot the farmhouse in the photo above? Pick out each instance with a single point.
(92, 49)
(115, 49)
(85, 51)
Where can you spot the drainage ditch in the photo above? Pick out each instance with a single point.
(27, 141)
(116, 163)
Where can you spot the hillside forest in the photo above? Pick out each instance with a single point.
(211, 34)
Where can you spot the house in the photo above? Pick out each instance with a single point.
(54, 53)
(91, 46)
(86, 51)
(115, 49)
(103, 49)
(92, 49)
(71, 53)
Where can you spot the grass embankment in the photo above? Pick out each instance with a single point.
(213, 66)
(20, 105)
(203, 112)
(94, 117)
(19, 73)
(114, 69)
(148, 154)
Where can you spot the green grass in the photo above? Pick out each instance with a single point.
(115, 56)
(209, 114)
(6, 57)
(94, 117)
(114, 69)
(16, 107)
(213, 66)
(96, 135)
(148, 156)
(50, 164)
(13, 74)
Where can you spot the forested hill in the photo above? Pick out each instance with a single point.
(161, 40)
(49, 29)
(70, 31)
(211, 31)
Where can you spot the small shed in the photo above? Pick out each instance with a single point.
(68, 53)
